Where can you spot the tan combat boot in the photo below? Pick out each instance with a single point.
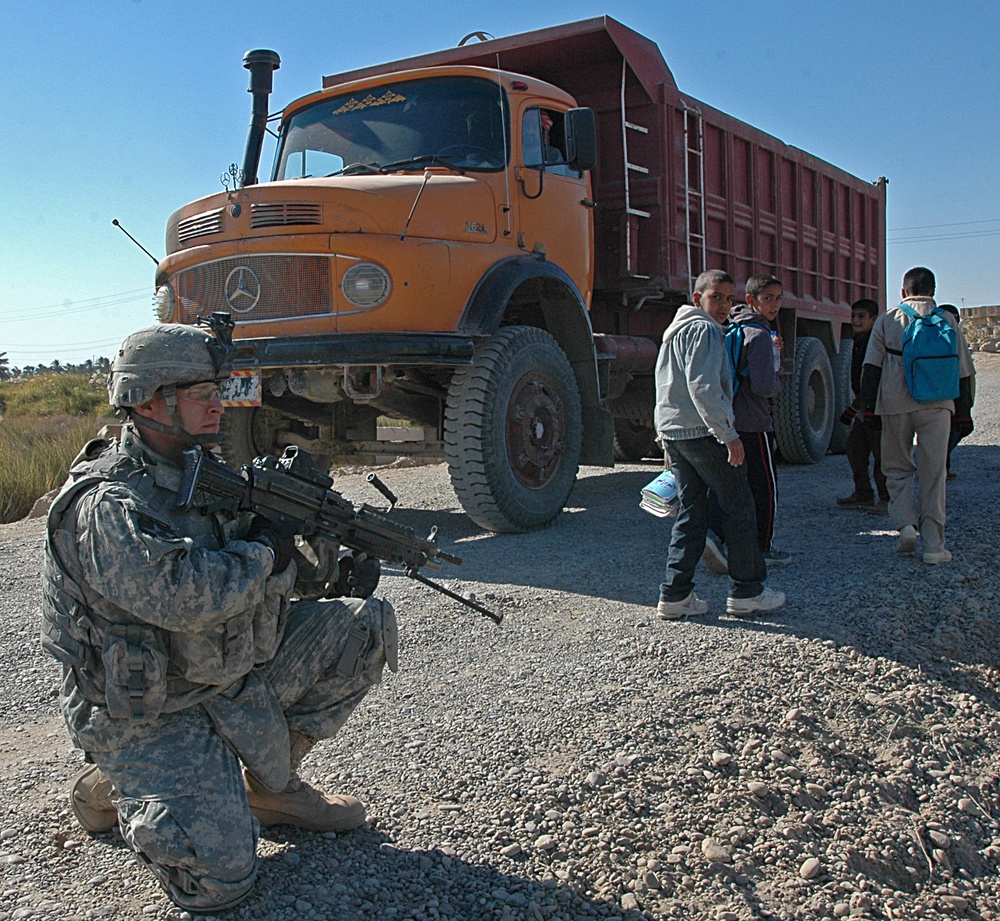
(301, 804)
(93, 799)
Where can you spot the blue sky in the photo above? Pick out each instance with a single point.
(127, 109)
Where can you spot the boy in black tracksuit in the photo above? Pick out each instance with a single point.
(864, 440)
(759, 385)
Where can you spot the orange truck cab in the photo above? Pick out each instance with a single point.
(429, 247)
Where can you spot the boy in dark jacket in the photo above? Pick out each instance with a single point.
(865, 437)
(758, 385)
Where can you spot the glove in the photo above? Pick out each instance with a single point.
(847, 416)
(359, 575)
(962, 425)
(870, 419)
(276, 535)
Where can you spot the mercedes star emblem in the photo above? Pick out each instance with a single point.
(242, 289)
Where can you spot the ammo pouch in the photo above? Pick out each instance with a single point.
(135, 667)
(218, 656)
(271, 615)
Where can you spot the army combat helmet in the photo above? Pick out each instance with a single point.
(166, 356)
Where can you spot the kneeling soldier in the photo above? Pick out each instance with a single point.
(192, 681)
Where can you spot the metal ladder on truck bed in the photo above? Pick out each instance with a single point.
(632, 215)
(694, 194)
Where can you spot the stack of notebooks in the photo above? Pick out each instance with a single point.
(660, 496)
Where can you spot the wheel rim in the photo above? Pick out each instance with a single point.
(535, 430)
(816, 402)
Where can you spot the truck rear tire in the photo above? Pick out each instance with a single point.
(633, 441)
(842, 393)
(804, 414)
(513, 431)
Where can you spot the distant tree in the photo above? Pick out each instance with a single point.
(5, 373)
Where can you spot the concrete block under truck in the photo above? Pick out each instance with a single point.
(489, 241)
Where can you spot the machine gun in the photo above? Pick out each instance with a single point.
(291, 490)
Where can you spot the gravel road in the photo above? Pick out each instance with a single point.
(584, 760)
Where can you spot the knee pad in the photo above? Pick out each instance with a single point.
(204, 872)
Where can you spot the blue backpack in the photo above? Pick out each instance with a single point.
(930, 356)
(738, 361)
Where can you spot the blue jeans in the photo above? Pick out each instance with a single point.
(700, 465)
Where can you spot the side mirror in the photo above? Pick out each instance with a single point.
(581, 139)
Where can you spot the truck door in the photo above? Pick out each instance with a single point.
(551, 197)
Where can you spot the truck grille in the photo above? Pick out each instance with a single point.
(282, 213)
(201, 225)
(250, 287)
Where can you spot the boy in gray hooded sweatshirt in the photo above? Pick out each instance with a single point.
(694, 420)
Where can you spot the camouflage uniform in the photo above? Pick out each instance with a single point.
(183, 656)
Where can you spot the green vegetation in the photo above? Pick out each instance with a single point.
(46, 420)
(53, 395)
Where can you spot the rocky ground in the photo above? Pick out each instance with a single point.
(583, 760)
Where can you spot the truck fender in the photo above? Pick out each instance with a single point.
(558, 308)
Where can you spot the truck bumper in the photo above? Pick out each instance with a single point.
(437, 349)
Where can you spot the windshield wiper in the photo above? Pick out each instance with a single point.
(355, 168)
(429, 159)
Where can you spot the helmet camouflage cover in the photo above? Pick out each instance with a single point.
(170, 353)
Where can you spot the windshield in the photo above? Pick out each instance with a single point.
(411, 124)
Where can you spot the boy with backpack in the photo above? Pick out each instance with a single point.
(753, 349)
(917, 374)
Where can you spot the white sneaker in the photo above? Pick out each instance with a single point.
(692, 606)
(715, 557)
(775, 557)
(767, 600)
(907, 542)
(940, 556)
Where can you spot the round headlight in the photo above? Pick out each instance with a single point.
(365, 285)
(164, 303)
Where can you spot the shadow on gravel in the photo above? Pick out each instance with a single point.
(565, 555)
(845, 583)
(362, 876)
(942, 620)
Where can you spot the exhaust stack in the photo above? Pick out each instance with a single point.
(262, 64)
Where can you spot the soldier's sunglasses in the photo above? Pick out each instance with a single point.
(201, 393)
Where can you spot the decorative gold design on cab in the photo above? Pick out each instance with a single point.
(370, 101)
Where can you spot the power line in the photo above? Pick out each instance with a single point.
(947, 236)
(94, 303)
(75, 346)
(933, 226)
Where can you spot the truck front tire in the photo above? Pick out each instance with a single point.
(246, 432)
(513, 431)
(804, 413)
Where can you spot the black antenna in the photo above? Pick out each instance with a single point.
(135, 241)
